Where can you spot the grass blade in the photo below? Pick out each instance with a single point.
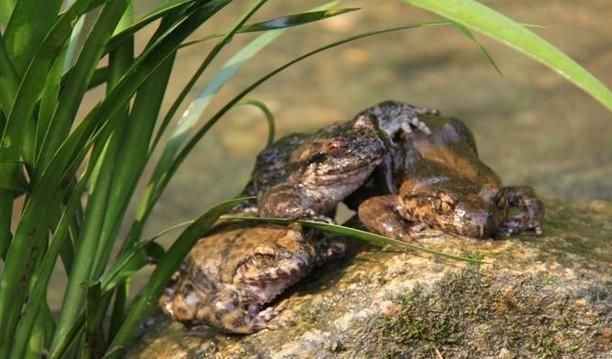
(92, 303)
(372, 238)
(267, 114)
(169, 7)
(465, 31)
(6, 9)
(78, 80)
(74, 42)
(30, 22)
(481, 18)
(9, 82)
(176, 141)
(284, 22)
(42, 275)
(320, 13)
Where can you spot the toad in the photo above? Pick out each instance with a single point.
(439, 181)
(306, 176)
(231, 276)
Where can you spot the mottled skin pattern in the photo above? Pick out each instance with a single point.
(439, 181)
(231, 274)
(306, 176)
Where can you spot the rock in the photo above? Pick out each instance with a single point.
(546, 297)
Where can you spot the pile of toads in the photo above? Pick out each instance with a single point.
(400, 167)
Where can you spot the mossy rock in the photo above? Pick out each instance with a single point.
(545, 297)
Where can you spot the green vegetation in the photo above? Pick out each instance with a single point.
(76, 176)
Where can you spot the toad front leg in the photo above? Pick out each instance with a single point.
(394, 117)
(531, 211)
(381, 215)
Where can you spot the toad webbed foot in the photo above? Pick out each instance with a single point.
(530, 212)
(394, 117)
(380, 215)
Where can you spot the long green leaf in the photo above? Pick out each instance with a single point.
(284, 22)
(9, 82)
(98, 121)
(6, 8)
(31, 86)
(172, 6)
(75, 39)
(49, 99)
(276, 23)
(274, 29)
(267, 114)
(30, 22)
(491, 23)
(145, 112)
(147, 300)
(12, 177)
(120, 60)
(372, 238)
(42, 275)
(76, 84)
(92, 304)
(94, 215)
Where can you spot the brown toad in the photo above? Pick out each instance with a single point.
(231, 276)
(439, 181)
(306, 176)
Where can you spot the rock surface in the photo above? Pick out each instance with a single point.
(547, 297)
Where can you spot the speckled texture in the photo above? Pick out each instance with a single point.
(545, 297)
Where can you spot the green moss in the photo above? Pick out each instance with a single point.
(309, 314)
(469, 314)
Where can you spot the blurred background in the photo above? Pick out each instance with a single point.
(531, 125)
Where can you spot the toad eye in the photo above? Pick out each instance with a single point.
(501, 202)
(442, 206)
(317, 158)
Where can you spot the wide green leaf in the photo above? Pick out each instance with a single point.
(481, 18)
